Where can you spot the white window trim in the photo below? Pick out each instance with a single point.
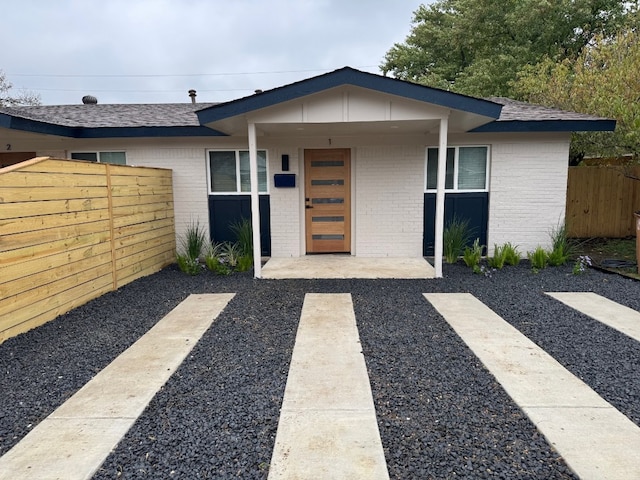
(238, 180)
(98, 153)
(456, 153)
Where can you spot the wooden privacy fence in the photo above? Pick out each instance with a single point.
(601, 202)
(71, 231)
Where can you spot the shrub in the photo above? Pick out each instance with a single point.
(561, 250)
(455, 236)
(230, 253)
(499, 257)
(473, 254)
(188, 265)
(538, 258)
(511, 254)
(191, 245)
(244, 236)
(245, 262)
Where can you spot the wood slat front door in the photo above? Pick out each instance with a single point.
(328, 200)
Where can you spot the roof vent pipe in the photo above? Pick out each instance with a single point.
(89, 100)
(192, 94)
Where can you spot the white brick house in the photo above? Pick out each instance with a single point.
(343, 162)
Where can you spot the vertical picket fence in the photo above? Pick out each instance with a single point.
(71, 231)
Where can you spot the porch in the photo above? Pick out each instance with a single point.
(347, 266)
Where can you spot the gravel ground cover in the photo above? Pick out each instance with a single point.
(440, 413)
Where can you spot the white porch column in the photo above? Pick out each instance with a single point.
(255, 201)
(442, 166)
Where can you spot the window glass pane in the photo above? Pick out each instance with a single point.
(432, 169)
(472, 168)
(245, 178)
(222, 166)
(117, 158)
(91, 156)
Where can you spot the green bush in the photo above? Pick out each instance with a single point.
(245, 262)
(455, 236)
(538, 258)
(244, 236)
(188, 265)
(191, 246)
(473, 254)
(561, 250)
(499, 257)
(511, 254)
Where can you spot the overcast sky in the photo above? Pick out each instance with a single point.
(154, 51)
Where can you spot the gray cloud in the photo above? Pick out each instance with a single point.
(167, 40)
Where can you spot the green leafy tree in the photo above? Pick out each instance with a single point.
(604, 81)
(477, 47)
(8, 99)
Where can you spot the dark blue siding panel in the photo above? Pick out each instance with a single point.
(471, 206)
(226, 209)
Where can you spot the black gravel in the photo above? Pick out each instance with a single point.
(441, 414)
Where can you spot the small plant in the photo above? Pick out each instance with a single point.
(188, 265)
(473, 254)
(511, 254)
(538, 258)
(194, 240)
(561, 247)
(245, 262)
(455, 236)
(230, 252)
(499, 257)
(244, 236)
(486, 271)
(582, 264)
(191, 246)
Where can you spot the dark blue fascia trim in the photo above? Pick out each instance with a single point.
(131, 132)
(17, 123)
(349, 76)
(547, 126)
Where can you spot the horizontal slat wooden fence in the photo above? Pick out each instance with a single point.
(71, 231)
(601, 202)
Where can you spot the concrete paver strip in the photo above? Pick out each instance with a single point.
(623, 319)
(75, 439)
(594, 438)
(328, 426)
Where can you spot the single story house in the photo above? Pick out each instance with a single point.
(343, 162)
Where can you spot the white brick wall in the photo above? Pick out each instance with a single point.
(285, 206)
(389, 200)
(527, 191)
(190, 191)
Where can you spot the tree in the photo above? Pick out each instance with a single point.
(477, 47)
(603, 81)
(22, 98)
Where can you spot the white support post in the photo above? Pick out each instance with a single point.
(442, 166)
(255, 201)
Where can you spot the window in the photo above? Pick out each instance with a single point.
(466, 168)
(118, 158)
(229, 171)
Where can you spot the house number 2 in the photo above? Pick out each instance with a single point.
(8, 146)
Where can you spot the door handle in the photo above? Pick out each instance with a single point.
(308, 206)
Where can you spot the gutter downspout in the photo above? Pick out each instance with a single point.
(442, 166)
(255, 201)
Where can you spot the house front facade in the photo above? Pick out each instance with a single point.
(346, 162)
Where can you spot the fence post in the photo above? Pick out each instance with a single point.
(112, 240)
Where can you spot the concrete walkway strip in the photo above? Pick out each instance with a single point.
(74, 440)
(619, 317)
(328, 426)
(595, 439)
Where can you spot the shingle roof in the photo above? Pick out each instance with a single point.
(113, 115)
(182, 119)
(514, 110)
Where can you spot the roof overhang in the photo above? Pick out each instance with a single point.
(514, 126)
(350, 101)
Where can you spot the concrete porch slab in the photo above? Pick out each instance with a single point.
(347, 266)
